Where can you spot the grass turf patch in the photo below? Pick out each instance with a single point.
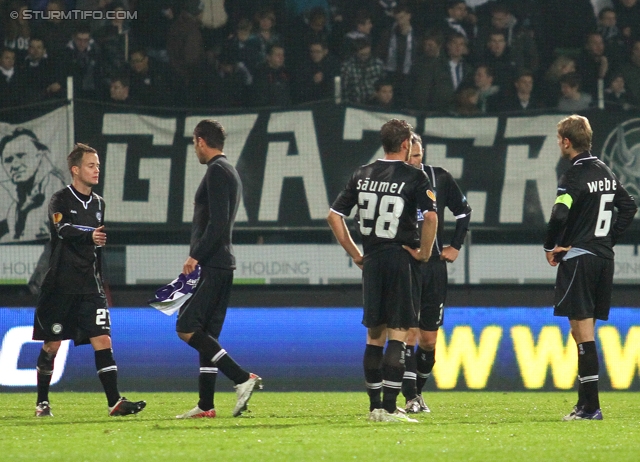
(320, 426)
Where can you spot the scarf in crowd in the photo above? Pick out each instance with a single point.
(392, 58)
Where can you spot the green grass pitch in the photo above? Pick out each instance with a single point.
(465, 426)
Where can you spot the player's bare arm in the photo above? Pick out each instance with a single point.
(342, 234)
(429, 229)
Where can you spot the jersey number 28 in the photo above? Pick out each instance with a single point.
(389, 212)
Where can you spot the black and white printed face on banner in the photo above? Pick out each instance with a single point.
(33, 157)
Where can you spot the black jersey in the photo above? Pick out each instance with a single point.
(387, 193)
(448, 195)
(216, 204)
(591, 192)
(75, 263)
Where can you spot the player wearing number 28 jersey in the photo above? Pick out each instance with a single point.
(580, 238)
(387, 193)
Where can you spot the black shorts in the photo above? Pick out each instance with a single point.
(207, 308)
(77, 317)
(434, 293)
(583, 287)
(391, 288)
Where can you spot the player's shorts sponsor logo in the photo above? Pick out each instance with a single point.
(56, 328)
(430, 195)
(621, 152)
(57, 218)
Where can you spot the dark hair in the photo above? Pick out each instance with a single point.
(122, 78)
(488, 69)
(402, 8)
(82, 28)
(500, 8)
(212, 132)
(22, 132)
(452, 3)
(5, 49)
(273, 46)
(381, 83)
(362, 16)
(394, 133)
(525, 73)
(454, 35)
(74, 159)
(361, 43)
(434, 34)
(415, 138)
(319, 41)
(572, 79)
(139, 50)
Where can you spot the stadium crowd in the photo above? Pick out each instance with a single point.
(445, 56)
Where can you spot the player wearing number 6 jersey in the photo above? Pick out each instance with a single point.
(72, 303)
(580, 238)
(387, 193)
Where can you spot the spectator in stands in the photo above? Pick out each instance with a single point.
(520, 39)
(11, 80)
(119, 90)
(221, 84)
(41, 77)
(488, 93)
(272, 80)
(572, 99)
(245, 50)
(593, 64)
(360, 73)
(315, 29)
(82, 61)
(631, 73)
(17, 31)
(432, 43)
(616, 98)
(214, 22)
(614, 42)
(628, 15)
(467, 102)
(315, 78)
(435, 82)
(456, 19)
(499, 59)
(150, 83)
(362, 30)
(398, 48)
(114, 41)
(184, 43)
(266, 34)
(550, 91)
(383, 98)
(523, 99)
(55, 31)
(564, 25)
(151, 29)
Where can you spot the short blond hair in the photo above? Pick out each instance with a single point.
(576, 129)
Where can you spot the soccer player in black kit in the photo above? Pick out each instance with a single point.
(387, 193)
(201, 318)
(72, 302)
(419, 364)
(580, 238)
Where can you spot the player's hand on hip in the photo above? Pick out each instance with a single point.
(189, 266)
(449, 254)
(415, 253)
(359, 261)
(555, 256)
(99, 236)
